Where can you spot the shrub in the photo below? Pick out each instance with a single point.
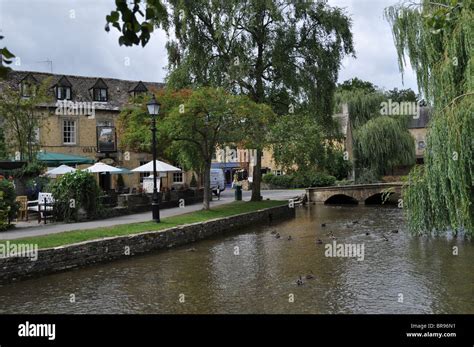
(3, 214)
(193, 182)
(8, 206)
(32, 169)
(80, 186)
(366, 176)
(314, 179)
(267, 178)
(338, 166)
(285, 181)
(300, 180)
(344, 182)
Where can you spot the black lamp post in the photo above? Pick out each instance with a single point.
(153, 109)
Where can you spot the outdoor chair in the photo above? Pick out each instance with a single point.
(43, 206)
(23, 211)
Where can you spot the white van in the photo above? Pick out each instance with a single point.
(217, 180)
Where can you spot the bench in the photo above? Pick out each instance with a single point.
(43, 206)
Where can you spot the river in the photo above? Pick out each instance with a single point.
(253, 271)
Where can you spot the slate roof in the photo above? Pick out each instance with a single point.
(423, 120)
(415, 123)
(119, 91)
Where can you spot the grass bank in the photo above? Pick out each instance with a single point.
(69, 237)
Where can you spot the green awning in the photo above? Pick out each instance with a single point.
(50, 158)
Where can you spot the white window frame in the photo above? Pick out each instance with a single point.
(59, 93)
(74, 132)
(178, 173)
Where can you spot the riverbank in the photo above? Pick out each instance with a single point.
(68, 250)
(227, 197)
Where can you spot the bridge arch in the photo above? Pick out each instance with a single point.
(341, 199)
(380, 198)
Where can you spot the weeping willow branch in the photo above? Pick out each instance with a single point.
(457, 98)
(438, 43)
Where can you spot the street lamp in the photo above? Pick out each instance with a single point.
(153, 109)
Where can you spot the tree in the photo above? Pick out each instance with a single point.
(3, 147)
(402, 95)
(301, 150)
(380, 142)
(5, 59)
(383, 143)
(357, 84)
(193, 124)
(22, 118)
(204, 122)
(279, 52)
(437, 39)
(134, 124)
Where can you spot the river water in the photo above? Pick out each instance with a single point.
(252, 271)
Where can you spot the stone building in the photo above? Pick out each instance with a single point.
(238, 161)
(81, 121)
(418, 128)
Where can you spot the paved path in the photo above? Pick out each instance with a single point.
(33, 229)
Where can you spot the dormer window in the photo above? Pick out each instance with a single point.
(63, 93)
(63, 89)
(27, 89)
(100, 94)
(100, 91)
(28, 86)
(139, 89)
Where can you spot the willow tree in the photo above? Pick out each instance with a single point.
(437, 36)
(5, 59)
(284, 53)
(380, 142)
(383, 143)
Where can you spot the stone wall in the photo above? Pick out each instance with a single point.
(97, 251)
(359, 192)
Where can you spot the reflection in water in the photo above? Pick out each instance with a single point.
(251, 271)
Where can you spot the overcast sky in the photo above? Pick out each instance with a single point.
(71, 34)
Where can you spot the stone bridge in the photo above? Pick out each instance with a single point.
(355, 194)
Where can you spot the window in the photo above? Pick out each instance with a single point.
(69, 132)
(105, 123)
(421, 145)
(143, 174)
(277, 172)
(178, 176)
(100, 94)
(136, 93)
(63, 93)
(139, 89)
(27, 89)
